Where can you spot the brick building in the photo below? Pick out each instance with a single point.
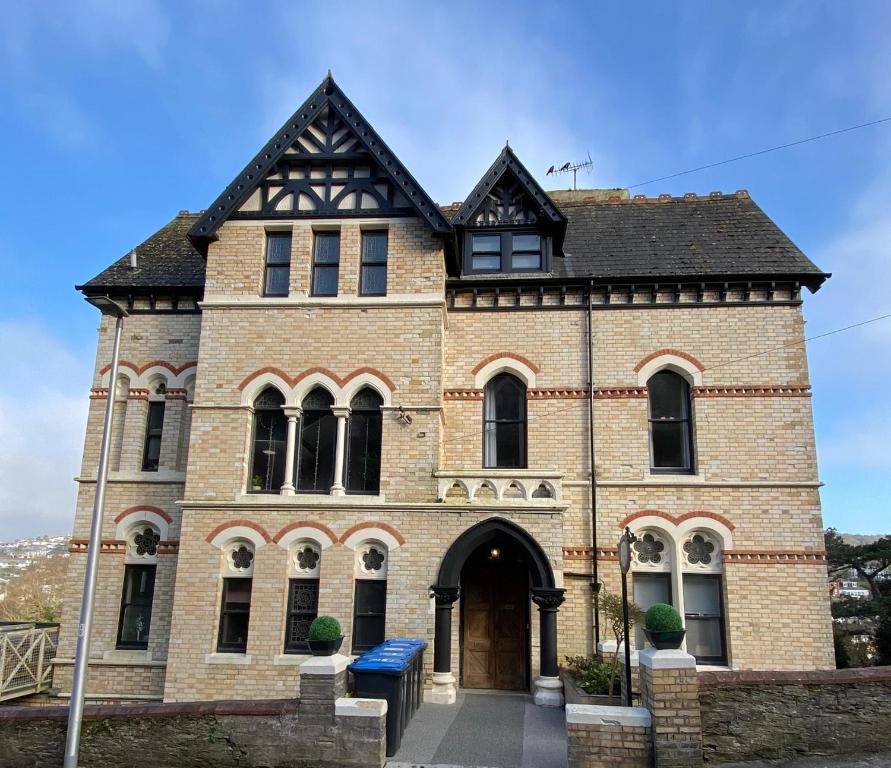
(337, 397)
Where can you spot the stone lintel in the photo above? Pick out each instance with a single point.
(325, 665)
(595, 714)
(360, 707)
(669, 659)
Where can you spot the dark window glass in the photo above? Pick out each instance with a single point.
(235, 614)
(326, 263)
(373, 281)
(270, 436)
(649, 588)
(278, 263)
(303, 607)
(526, 252)
(318, 442)
(671, 442)
(363, 454)
(136, 606)
(704, 618)
(154, 426)
(504, 432)
(486, 252)
(370, 613)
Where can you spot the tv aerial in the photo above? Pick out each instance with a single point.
(574, 168)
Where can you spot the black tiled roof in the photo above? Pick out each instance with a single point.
(668, 238)
(717, 235)
(166, 260)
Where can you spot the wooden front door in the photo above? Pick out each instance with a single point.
(495, 603)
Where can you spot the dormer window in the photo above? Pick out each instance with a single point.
(505, 251)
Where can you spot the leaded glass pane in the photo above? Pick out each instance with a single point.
(327, 248)
(487, 262)
(649, 589)
(277, 279)
(487, 244)
(507, 396)
(278, 248)
(670, 444)
(303, 601)
(324, 280)
(318, 440)
(374, 280)
(530, 261)
(374, 248)
(320, 399)
(526, 242)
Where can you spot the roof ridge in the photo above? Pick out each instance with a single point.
(687, 197)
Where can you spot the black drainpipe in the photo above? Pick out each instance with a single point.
(595, 580)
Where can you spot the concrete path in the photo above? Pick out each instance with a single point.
(484, 730)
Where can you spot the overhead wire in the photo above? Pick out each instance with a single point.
(762, 152)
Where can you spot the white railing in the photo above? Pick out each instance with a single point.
(27, 650)
(486, 486)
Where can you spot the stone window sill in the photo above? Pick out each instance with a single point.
(234, 659)
(290, 659)
(310, 498)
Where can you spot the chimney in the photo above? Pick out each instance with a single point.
(133, 259)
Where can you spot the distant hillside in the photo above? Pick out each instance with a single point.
(860, 538)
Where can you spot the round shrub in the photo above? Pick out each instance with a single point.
(324, 628)
(662, 617)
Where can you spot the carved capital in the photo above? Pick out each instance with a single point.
(445, 595)
(548, 599)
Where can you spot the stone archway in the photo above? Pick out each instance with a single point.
(548, 598)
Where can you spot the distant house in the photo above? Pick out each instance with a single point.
(338, 397)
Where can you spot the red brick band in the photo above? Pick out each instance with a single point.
(141, 369)
(232, 524)
(676, 520)
(144, 508)
(773, 557)
(500, 355)
(292, 381)
(675, 352)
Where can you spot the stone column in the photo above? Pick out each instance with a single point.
(444, 689)
(337, 489)
(290, 448)
(669, 688)
(547, 689)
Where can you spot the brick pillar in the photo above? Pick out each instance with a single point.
(669, 688)
(133, 440)
(323, 680)
(174, 406)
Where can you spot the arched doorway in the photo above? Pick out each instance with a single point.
(494, 640)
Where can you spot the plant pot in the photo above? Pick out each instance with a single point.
(325, 647)
(665, 639)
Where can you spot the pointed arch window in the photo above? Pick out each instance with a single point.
(671, 435)
(318, 441)
(269, 439)
(363, 454)
(504, 417)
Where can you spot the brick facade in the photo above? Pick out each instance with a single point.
(755, 486)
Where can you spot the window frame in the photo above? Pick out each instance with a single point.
(371, 417)
(319, 236)
(225, 612)
(524, 433)
(254, 420)
(686, 421)
(152, 435)
(285, 265)
(721, 617)
(298, 453)
(364, 264)
(507, 251)
(357, 616)
(300, 646)
(131, 568)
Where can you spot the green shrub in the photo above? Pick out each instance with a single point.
(662, 617)
(325, 628)
(595, 677)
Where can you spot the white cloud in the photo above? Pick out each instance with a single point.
(43, 408)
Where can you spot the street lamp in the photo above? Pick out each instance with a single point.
(81, 657)
(625, 564)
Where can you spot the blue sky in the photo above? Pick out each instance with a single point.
(113, 116)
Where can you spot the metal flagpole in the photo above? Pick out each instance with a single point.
(81, 657)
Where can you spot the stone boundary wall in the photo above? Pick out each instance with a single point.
(776, 715)
(252, 734)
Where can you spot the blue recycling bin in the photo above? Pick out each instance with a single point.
(393, 670)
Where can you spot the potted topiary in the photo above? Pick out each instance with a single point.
(663, 627)
(325, 637)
